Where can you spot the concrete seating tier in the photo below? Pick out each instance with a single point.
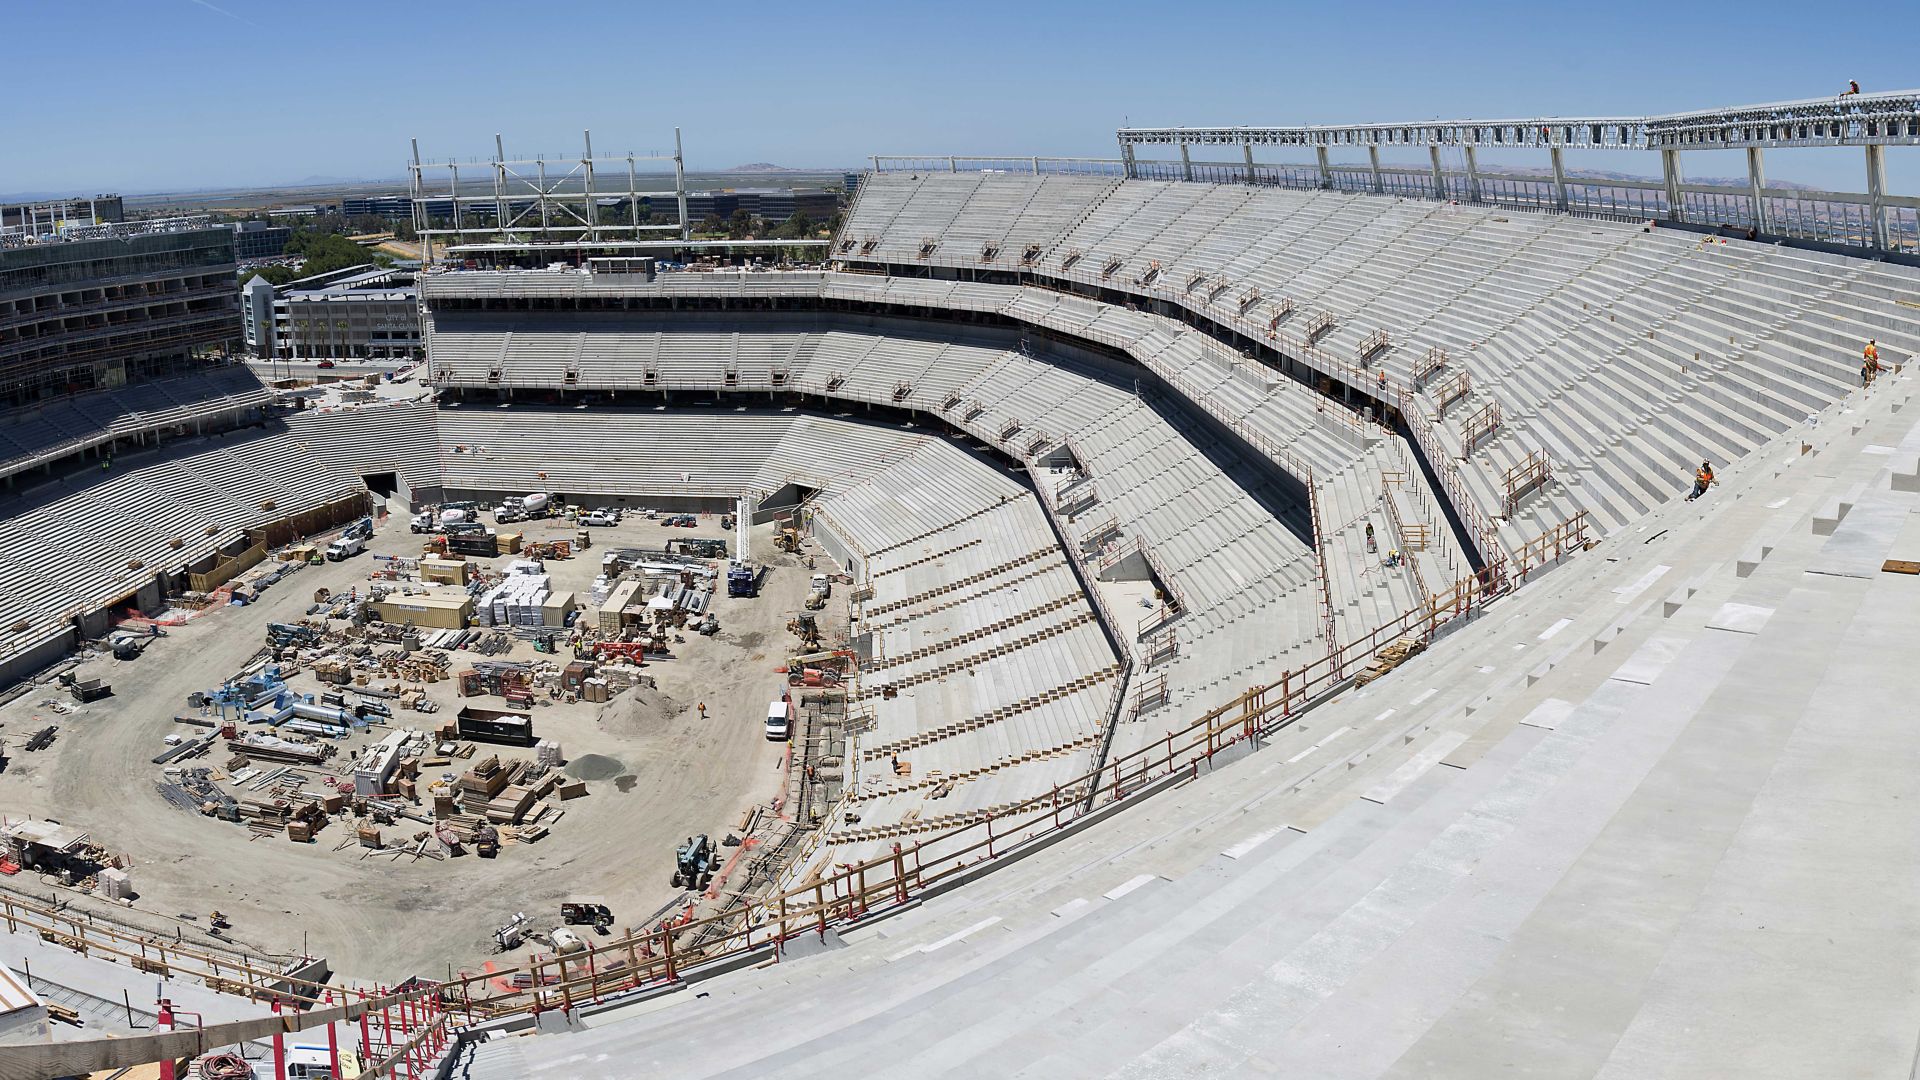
(74, 545)
(38, 435)
(1627, 356)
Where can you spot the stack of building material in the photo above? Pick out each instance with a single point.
(267, 748)
(516, 601)
(547, 752)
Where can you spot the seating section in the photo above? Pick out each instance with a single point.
(399, 438)
(71, 546)
(620, 452)
(1625, 355)
(989, 680)
(40, 435)
(1226, 539)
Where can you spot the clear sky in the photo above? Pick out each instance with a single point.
(159, 95)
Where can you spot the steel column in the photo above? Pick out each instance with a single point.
(1373, 159)
(1670, 169)
(1248, 148)
(1326, 168)
(1473, 175)
(1559, 179)
(1126, 158)
(1186, 163)
(680, 185)
(1877, 195)
(1756, 189)
(1439, 175)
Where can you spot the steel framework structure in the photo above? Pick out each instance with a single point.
(1870, 121)
(546, 203)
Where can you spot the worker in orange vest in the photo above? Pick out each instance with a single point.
(1702, 480)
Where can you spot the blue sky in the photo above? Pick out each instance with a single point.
(158, 95)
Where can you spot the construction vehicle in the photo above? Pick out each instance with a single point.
(708, 626)
(594, 915)
(693, 863)
(281, 635)
(346, 547)
(801, 675)
(633, 652)
(817, 592)
(743, 579)
(680, 521)
(700, 547)
(787, 540)
(128, 645)
(726, 521)
(804, 626)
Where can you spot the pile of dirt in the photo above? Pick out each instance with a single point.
(595, 767)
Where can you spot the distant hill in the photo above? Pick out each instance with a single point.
(764, 167)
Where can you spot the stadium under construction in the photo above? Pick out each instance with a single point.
(1358, 614)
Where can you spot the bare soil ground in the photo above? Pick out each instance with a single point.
(659, 773)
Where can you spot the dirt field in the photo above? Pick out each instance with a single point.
(657, 773)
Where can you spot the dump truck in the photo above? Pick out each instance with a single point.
(595, 915)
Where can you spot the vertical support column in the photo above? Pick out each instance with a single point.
(1559, 178)
(1186, 163)
(953, 165)
(1757, 189)
(1247, 149)
(740, 516)
(680, 185)
(1877, 195)
(1373, 159)
(1126, 161)
(1670, 169)
(1439, 174)
(586, 177)
(1473, 174)
(420, 219)
(499, 183)
(1036, 166)
(1326, 167)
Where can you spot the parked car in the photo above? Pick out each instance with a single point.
(324, 364)
(602, 517)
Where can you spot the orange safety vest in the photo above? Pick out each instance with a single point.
(1705, 476)
(1871, 353)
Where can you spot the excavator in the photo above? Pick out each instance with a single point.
(806, 627)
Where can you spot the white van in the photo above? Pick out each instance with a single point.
(779, 720)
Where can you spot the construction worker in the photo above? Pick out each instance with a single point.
(1370, 548)
(1702, 480)
(1870, 357)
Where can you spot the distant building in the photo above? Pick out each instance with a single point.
(368, 314)
(774, 205)
(53, 215)
(852, 182)
(259, 240)
(130, 301)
